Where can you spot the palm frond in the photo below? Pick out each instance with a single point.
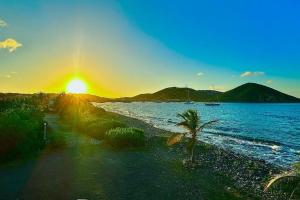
(181, 115)
(174, 139)
(207, 124)
(278, 178)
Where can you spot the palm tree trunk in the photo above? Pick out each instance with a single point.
(193, 142)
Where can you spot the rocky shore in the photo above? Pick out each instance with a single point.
(248, 175)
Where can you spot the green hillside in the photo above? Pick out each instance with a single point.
(256, 93)
(176, 94)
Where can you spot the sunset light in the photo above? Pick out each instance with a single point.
(76, 86)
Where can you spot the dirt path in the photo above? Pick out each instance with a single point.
(86, 170)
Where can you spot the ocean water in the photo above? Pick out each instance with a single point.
(266, 131)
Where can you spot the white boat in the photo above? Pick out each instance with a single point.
(188, 99)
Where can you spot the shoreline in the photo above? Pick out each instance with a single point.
(159, 132)
(248, 174)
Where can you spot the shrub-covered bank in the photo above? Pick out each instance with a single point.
(97, 123)
(21, 126)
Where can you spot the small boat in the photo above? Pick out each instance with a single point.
(188, 97)
(212, 104)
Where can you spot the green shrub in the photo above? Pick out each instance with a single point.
(99, 127)
(21, 132)
(125, 137)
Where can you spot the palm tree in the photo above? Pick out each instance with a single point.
(191, 122)
(292, 177)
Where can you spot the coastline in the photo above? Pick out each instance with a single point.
(248, 174)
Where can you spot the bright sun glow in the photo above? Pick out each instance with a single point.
(76, 86)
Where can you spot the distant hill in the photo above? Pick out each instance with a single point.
(249, 92)
(256, 93)
(93, 98)
(174, 94)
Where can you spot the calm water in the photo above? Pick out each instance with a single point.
(266, 131)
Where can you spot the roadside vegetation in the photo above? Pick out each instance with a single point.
(21, 126)
(97, 123)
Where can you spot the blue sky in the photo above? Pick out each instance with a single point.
(122, 48)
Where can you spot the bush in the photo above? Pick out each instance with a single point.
(99, 127)
(21, 132)
(125, 137)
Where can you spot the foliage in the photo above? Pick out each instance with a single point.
(71, 108)
(125, 137)
(191, 122)
(21, 129)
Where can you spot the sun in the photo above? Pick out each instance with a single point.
(76, 86)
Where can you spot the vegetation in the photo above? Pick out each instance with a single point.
(177, 94)
(125, 137)
(191, 122)
(96, 123)
(255, 93)
(21, 126)
(291, 179)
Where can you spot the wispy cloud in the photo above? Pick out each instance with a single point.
(248, 73)
(200, 74)
(2, 23)
(10, 44)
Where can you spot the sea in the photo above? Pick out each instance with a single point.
(265, 131)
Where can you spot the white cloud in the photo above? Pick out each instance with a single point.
(200, 74)
(10, 44)
(248, 73)
(7, 76)
(2, 23)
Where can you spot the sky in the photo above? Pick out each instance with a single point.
(127, 47)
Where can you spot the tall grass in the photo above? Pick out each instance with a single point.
(125, 137)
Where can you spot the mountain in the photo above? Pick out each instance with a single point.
(93, 98)
(247, 93)
(174, 94)
(256, 93)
